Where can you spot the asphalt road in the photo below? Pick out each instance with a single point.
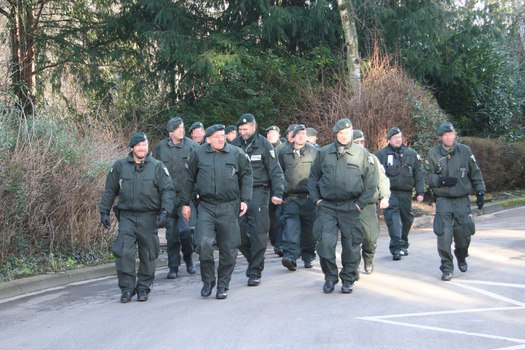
(402, 305)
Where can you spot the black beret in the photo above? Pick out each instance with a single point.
(290, 128)
(173, 123)
(230, 128)
(311, 132)
(357, 134)
(273, 127)
(445, 127)
(196, 125)
(392, 132)
(212, 129)
(138, 137)
(342, 124)
(245, 118)
(298, 128)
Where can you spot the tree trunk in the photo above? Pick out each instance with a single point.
(519, 9)
(346, 11)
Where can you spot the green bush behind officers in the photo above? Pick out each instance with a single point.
(222, 173)
(403, 167)
(451, 171)
(368, 216)
(342, 181)
(145, 200)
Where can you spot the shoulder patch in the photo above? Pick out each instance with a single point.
(272, 153)
(166, 171)
(371, 160)
(247, 157)
(111, 170)
(473, 158)
(427, 165)
(418, 157)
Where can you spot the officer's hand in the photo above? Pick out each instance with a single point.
(383, 204)
(244, 208)
(419, 198)
(186, 212)
(162, 219)
(480, 199)
(448, 181)
(277, 200)
(104, 219)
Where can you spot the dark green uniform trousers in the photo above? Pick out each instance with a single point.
(218, 222)
(298, 236)
(399, 219)
(254, 230)
(275, 231)
(331, 219)
(136, 229)
(370, 224)
(178, 238)
(453, 220)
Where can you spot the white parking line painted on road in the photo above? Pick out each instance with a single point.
(488, 283)
(490, 294)
(436, 313)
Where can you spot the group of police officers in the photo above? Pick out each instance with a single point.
(229, 187)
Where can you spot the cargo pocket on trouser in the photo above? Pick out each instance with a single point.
(469, 228)
(154, 247)
(118, 246)
(439, 224)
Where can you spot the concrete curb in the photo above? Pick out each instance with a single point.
(52, 280)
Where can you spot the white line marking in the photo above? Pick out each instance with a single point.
(448, 312)
(499, 284)
(490, 294)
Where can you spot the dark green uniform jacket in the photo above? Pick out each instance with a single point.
(222, 176)
(174, 158)
(296, 169)
(383, 184)
(140, 188)
(350, 176)
(266, 168)
(459, 163)
(403, 168)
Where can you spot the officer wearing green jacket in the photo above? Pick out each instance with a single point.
(298, 215)
(342, 182)
(403, 167)
(267, 186)
(145, 200)
(222, 173)
(368, 215)
(452, 172)
(173, 152)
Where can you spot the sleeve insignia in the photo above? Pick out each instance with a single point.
(418, 157)
(166, 171)
(472, 157)
(272, 153)
(370, 160)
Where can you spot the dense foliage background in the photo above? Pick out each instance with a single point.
(78, 78)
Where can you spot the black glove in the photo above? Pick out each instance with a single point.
(480, 199)
(448, 181)
(104, 219)
(162, 219)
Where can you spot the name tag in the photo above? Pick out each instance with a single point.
(256, 157)
(390, 160)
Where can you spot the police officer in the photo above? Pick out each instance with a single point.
(342, 182)
(173, 152)
(452, 172)
(231, 133)
(197, 132)
(223, 175)
(298, 210)
(311, 136)
(403, 167)
(368, 215)
(267, 185)
(145, 200)
(273, 134)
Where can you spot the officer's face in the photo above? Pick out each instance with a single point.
(178, 134)
(360, 142)
(197, 135)
(344, 136)
(272, 136)
(300, 138)
(231, 135)
(217, 140)
(140, 151)
(448, 138)
(396, 140)
(247, 130)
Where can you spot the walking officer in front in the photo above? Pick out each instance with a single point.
(452, 172)
(298, 215)
(223, 175)
(403, 167)
(267, 185)
(342, 181)
(145, 200)
(368, 216)
(173, 152)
